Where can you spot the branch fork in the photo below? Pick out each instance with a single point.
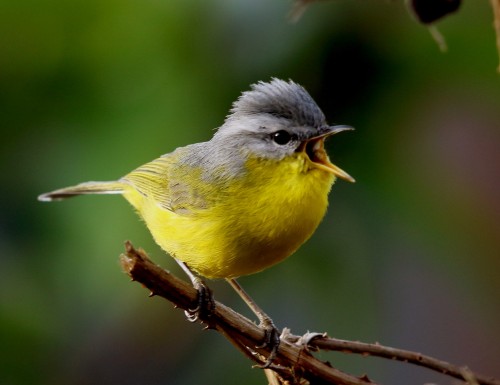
(294, 363)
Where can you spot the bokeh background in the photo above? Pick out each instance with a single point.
(408, 256)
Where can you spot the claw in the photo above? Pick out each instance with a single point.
(206, 303)
(271, 339)
(271, 334)
(192, 315)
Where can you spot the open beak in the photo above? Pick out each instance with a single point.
(315, 150)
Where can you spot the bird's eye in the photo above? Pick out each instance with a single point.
(282, 137)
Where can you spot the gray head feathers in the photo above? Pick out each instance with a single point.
(280, 99)
(249, 129)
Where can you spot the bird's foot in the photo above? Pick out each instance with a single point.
(205, 302)
(271, 339)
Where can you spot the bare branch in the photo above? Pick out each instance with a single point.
(377, 350)
(294, 362)
(495, 4)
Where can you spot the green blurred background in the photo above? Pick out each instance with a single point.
(408, 256)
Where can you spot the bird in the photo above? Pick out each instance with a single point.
(242, 201)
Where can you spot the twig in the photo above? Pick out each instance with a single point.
(293, 362)
(438, 38)
(495, 4)
(377, 350)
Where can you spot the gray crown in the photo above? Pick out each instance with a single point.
(282, 99)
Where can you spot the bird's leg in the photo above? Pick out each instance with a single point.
(271, 333)
(205, 303)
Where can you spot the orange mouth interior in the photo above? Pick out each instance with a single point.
(315, 151)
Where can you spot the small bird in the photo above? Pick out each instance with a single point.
(242, 201)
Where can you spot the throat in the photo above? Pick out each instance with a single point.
(286, 202)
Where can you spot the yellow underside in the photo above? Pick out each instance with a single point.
(257, 222)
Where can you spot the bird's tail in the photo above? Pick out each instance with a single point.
(114, 187)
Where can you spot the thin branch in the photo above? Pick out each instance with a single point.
(495, 4)
(291, 361)
(294, 363)
(377, 350)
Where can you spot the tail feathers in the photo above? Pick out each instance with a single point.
(82, 189)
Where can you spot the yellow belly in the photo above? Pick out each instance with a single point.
(264, 217)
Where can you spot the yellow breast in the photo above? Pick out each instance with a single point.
(262, 218)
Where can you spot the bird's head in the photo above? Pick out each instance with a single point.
(278, 119)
